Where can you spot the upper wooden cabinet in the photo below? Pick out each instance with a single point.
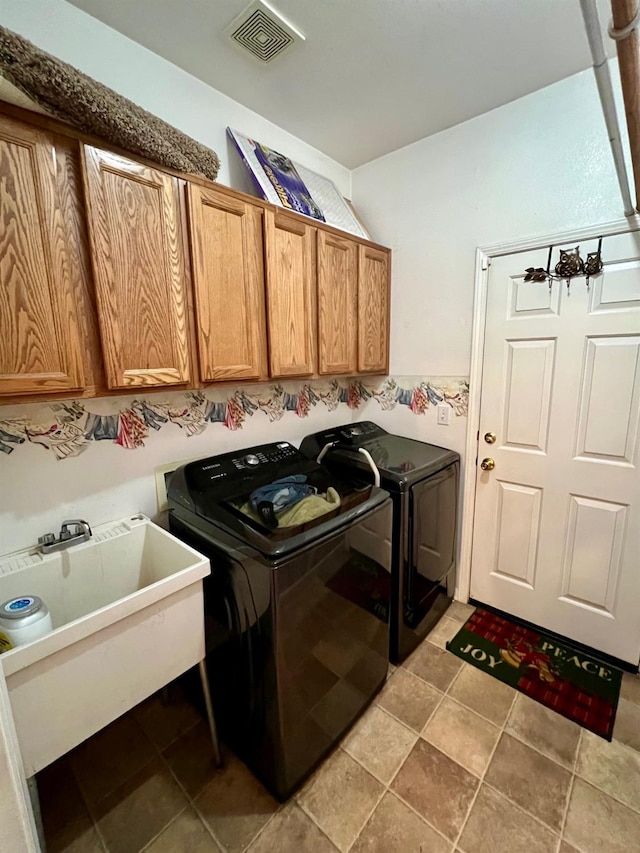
(40, 348)
(337, 304)
(139, 271)
(373, 310)
(112, 278)
(228, 276)
(291, 294)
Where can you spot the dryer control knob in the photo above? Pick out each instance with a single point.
(252, 460)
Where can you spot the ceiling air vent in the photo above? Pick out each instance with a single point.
(263, 32)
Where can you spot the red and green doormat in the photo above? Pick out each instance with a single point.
(576, 685)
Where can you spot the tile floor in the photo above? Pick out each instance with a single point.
(447, 760)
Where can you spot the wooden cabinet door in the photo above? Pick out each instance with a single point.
(228, 277)
(337, 304)
(291, 284)
(138, 263)
(39, 337)
(373, 310)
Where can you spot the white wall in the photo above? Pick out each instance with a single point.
(538, 165)
(158, 86)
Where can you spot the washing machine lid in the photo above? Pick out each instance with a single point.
(400, 458)
(401, 461)
(212, 494)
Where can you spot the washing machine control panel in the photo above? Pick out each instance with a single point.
(265, 454)
(353, 435)
(263, 461)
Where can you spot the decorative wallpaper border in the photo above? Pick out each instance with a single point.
(68, 428)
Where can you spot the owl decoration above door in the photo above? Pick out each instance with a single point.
(570, 265)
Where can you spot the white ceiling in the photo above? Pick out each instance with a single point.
(372, 75)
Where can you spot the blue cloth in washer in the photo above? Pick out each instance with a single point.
(282, 493)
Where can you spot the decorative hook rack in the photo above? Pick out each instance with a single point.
(570, 265)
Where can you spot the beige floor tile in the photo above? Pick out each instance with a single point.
(235, 806)
(380, 743)
(191, 759)
(109, 758)
(340, 797)
(291, 831)
(68, 827)
(630, 689)
(445, 630)
(483, 694)
(433, 665)
(565, 847)
(167, 715)
(61, 803)
(409, 698)
(133, 814)
(546, 731)
(394, 828)
(462, 735)
(436, 787)
(459, 611)
(186, 834)
(613, 767)
(79, 835)
(596, 823)
(627, 725)
(497, 826)
(535, 783)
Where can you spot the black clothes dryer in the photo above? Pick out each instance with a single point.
(296, 618)
(422, 480)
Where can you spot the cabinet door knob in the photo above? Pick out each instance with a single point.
(488, 464)
(490, 437)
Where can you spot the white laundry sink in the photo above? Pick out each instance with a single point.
(127, 612)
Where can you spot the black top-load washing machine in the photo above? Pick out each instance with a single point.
(296, 611)
(422, 480)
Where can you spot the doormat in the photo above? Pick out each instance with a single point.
(554, 673)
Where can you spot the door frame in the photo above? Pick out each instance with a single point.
(484, 255)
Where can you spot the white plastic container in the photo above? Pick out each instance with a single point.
(24, 619)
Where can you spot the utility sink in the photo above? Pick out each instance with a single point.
(127, 612)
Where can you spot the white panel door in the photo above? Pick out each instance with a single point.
(557, 522)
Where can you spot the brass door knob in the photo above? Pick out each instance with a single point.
(488, 464)
(490, 437)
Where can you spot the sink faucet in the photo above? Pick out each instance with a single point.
(72, 532)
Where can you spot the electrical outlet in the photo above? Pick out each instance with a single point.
(444, 413)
